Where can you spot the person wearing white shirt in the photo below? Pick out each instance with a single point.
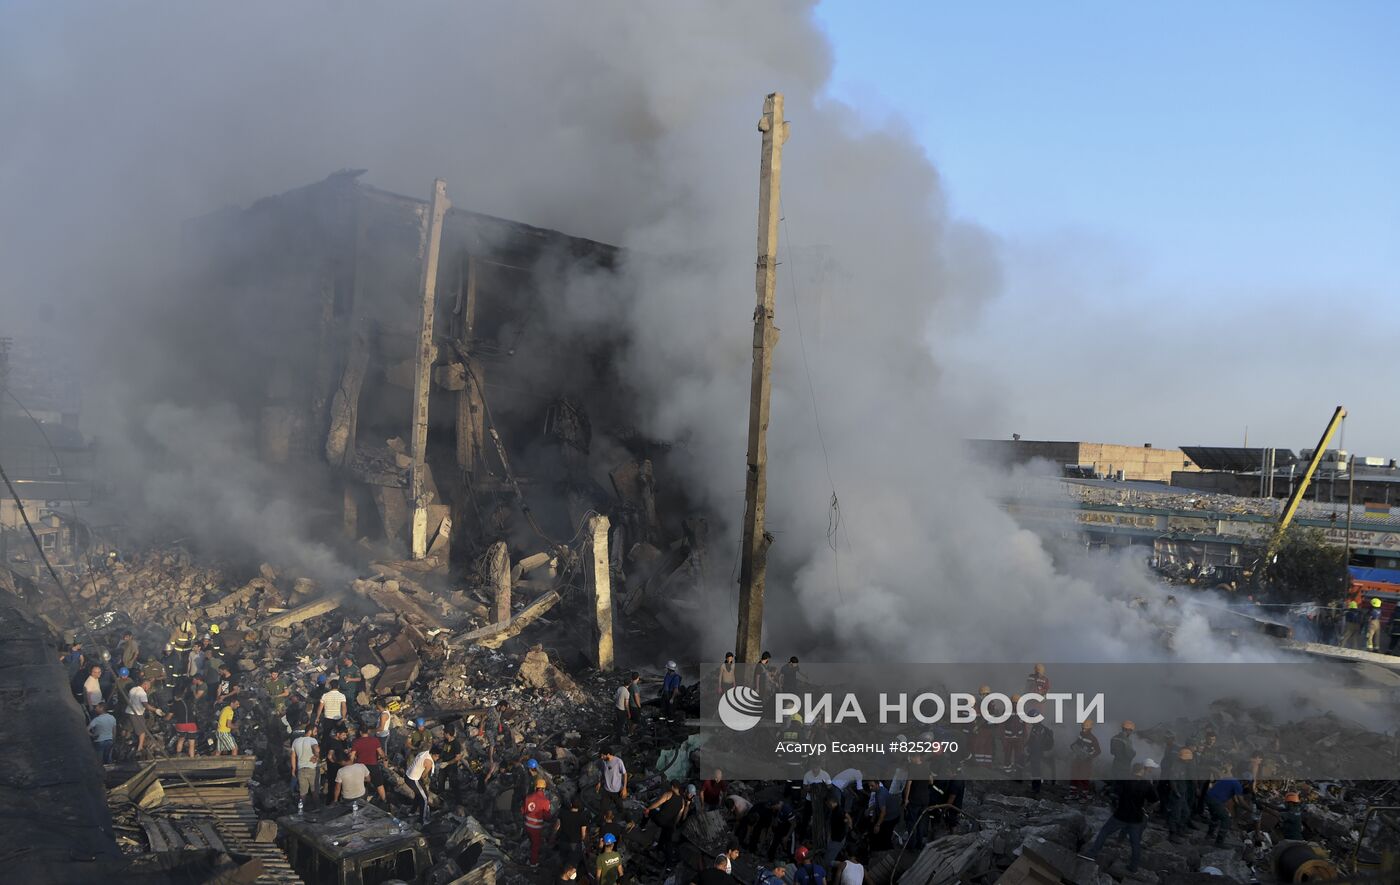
(419, 770)
(331, 708)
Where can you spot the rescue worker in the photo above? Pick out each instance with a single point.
(668, 812)
(1123, 751)
(1083, 752)
(536, 810)
(1291, 818)
(1181, 794)
(982, 734)
(1351, 625)
(1373, 625)
(1013, 738)
(182, 642)
(1131, 797)
(670, 691)
(1220, 802)
(1040, 743)
(1037, 681)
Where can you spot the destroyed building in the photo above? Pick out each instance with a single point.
(528, 426)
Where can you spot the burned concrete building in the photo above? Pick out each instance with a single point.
(410, 383)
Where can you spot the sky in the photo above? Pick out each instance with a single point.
(1197, 208)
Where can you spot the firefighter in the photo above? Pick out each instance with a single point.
(983, 739)
(1373, 625)
(1123, 751)
(181, 643)
(1013, 737)
(1181, 794)
(1083, 752)
(1351, 625)
(1291, 818)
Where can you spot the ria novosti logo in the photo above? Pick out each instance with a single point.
(740, 708)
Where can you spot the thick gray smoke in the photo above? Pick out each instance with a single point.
(632, 124)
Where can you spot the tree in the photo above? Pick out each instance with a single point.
(1307, 568)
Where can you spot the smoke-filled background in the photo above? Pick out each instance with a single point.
(626, 123)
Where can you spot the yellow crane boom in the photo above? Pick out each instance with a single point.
(1301, 488)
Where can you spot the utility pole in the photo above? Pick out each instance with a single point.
(753, 567)
(427, 352)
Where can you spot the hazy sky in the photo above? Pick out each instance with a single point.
(1198, 205)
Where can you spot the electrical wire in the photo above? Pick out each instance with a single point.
(62, 472)
(833, 518)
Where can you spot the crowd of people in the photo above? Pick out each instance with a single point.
(813, 828)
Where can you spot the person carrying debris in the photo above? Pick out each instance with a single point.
(670, 691)
(305, 762)
(418, 773)
(137, 700)
(1220, 804)
(612, 780)
(1373, 625)
(667, 812)
(607, 869)
(536, 811)
(1123, 751)
(1131, 797)
(103, 729)
(1083, 752)
(224, 731)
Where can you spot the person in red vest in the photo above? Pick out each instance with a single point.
(536, 810)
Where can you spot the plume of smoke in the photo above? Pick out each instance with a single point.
(629, 124)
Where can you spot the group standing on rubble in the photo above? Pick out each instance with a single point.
(339, 745)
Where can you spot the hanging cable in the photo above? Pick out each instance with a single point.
(833, 514)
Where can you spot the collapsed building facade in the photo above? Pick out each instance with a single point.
(374, 317)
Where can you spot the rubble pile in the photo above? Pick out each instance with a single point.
(512, 695)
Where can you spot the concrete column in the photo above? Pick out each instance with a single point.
(499, 562)
(600, 584)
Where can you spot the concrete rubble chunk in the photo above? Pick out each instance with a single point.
(266, 831)
(537, 672)
(314, 609)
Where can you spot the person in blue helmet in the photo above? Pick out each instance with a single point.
(120, 687)
(607, 869)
